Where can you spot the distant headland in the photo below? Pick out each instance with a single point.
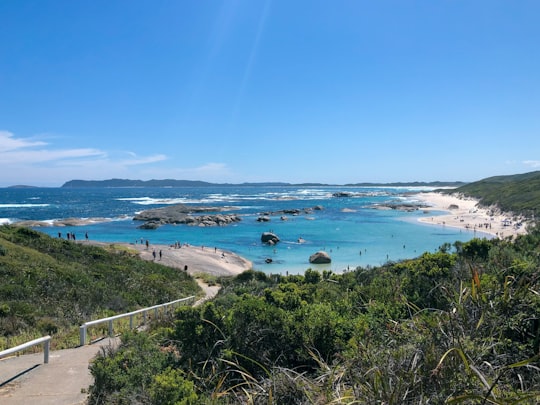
(196, 183)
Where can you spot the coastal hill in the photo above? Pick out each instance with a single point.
(52, 285)
(197, 183)
(519, 193)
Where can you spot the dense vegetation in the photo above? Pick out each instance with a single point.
(52, 285)
(461, 325)
(518, 193)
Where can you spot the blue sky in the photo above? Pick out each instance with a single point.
(253, 90)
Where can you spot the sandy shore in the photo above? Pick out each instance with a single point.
(198, 259)
(465, 213)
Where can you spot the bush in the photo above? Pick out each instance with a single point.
(124, 374)
(171, 388)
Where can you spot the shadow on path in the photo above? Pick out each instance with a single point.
(63, 381)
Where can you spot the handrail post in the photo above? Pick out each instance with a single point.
(46, 340)
(145, 311)
(46, 347)
(82, 334)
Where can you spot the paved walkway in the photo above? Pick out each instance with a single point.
(63, 381)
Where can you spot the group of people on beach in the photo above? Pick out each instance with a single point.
(154, 254)
(71, 236)
(143, 242)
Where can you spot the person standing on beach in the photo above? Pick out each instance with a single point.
(154, 254)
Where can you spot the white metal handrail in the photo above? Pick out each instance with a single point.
(84, 326)
(46, 340)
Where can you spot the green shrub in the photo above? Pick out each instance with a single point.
(124, 374)
(47, 326)
(171, 388)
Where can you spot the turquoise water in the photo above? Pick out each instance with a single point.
(350, 229)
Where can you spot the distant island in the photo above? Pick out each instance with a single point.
(22, 186)
(196, 183)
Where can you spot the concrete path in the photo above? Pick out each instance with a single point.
(63, 381)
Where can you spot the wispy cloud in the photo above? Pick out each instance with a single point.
(35, 162)
(134, 159)
(44, 155)
(209, 171)
(212, 171)
(532, 163)
(31, 161)
(27, 151)
(9, 143)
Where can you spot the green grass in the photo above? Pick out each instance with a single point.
(208, 279)
(51, 285)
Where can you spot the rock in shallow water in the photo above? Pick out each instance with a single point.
(320, 257)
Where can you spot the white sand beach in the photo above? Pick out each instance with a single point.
(465, 213)
(196, 259)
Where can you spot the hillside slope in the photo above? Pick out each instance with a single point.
(50, 284)
(518, 193)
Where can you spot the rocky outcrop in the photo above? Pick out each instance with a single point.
(290, 211)
(321, 257)
(269, 238)
(182, 214)
(191, 220)
(409, 207)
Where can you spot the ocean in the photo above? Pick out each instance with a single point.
(351, 228)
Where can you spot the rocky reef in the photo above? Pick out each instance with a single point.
(187, 215)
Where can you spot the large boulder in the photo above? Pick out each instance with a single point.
(270, 238)
(150, 225)
(320, 257)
